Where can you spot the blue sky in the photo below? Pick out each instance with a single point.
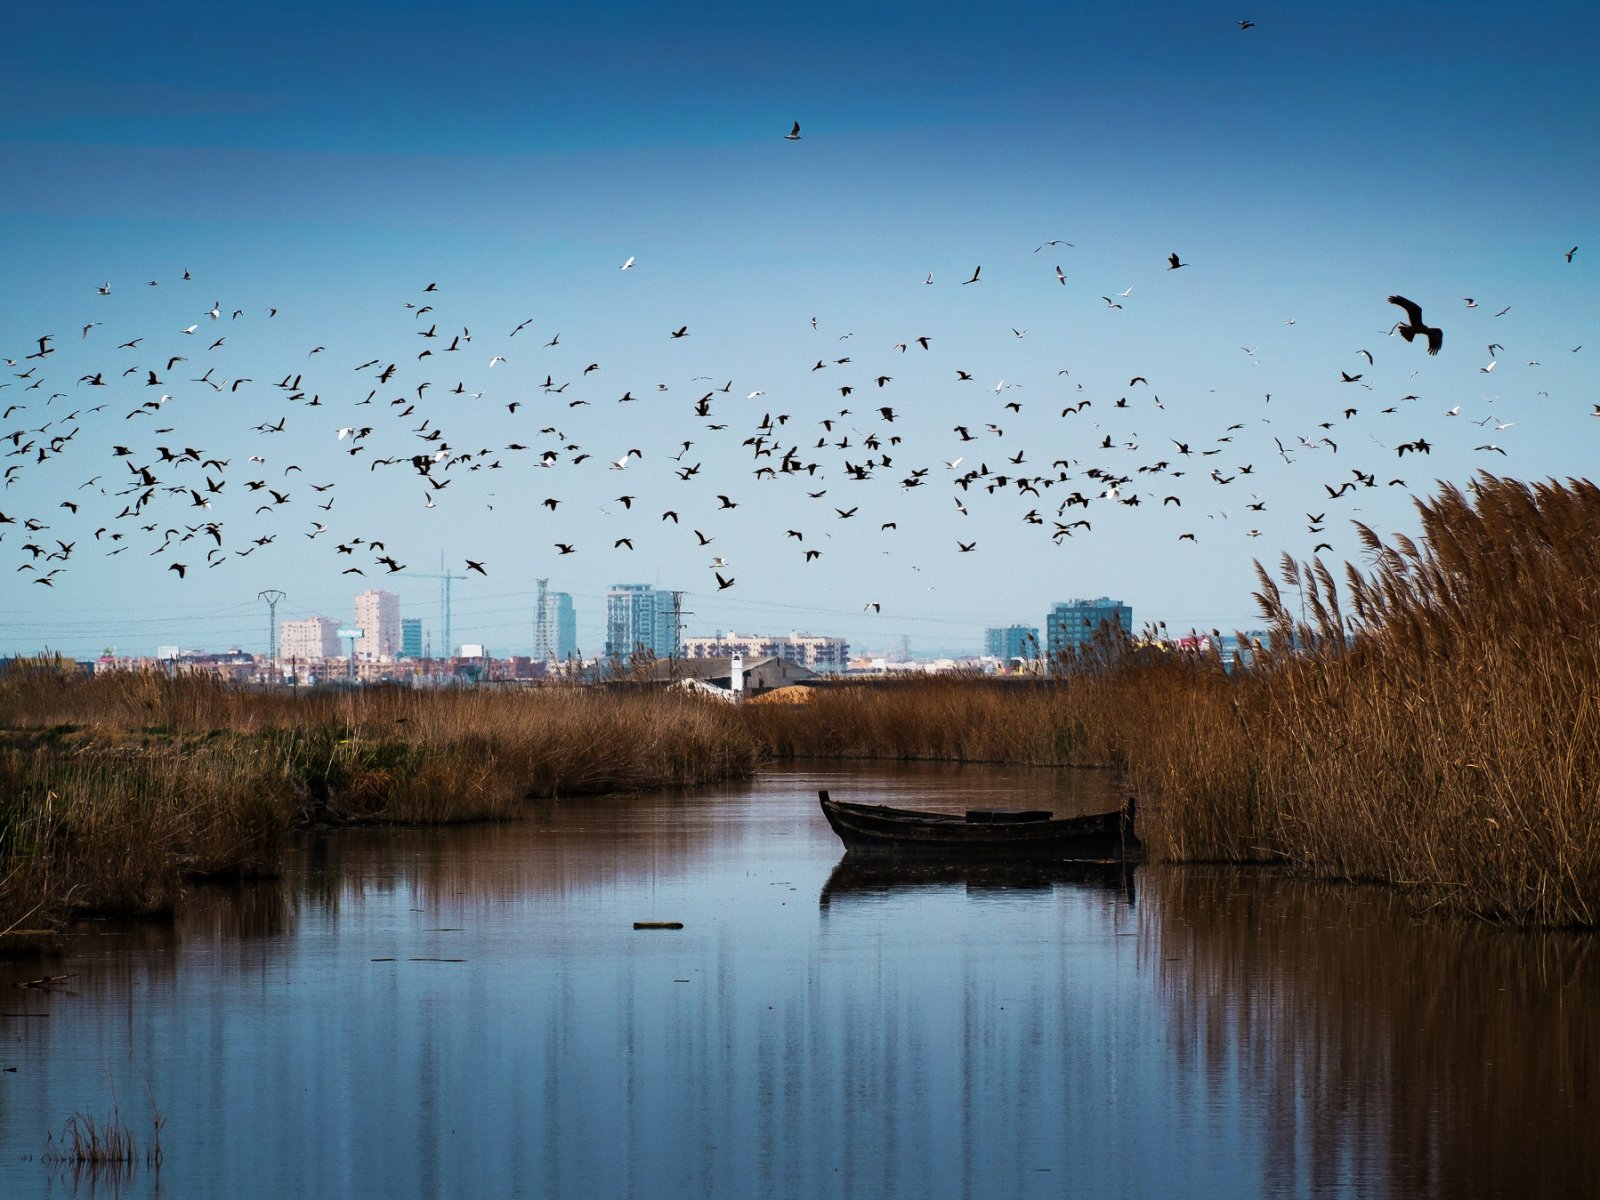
(331, 164)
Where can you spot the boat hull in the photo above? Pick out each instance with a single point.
(1105, 836)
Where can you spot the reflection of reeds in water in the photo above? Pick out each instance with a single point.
(1428, 1058)
(480, 869)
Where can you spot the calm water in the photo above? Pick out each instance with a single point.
(469, 1012)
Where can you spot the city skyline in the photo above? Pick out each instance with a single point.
(1162, 250)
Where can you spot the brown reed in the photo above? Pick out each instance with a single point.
(1434, 725)
(118, 787)
(1441, 734)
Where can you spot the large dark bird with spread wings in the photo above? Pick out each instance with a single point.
(1412, 325)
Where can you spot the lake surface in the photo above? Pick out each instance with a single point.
(470, 1012)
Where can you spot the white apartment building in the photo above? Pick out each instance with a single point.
(309, 640)
(378, 617)
(817, 653)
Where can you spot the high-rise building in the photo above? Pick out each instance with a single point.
(1012, 642)
(555, 631)
(640, 619)
(308, 640)
(410, 637)
(378, 617)
(1073, 624)
(564, 620)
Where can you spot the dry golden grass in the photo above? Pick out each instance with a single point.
(967, 719)
(118, 787)
(1443, 731)
(1436, 726)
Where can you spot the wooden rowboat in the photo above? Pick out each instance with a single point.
(876, 826)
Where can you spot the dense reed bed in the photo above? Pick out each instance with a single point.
(1434, 724)
(116, 788)
(948, 718)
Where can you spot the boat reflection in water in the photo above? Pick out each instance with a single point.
(865, 875)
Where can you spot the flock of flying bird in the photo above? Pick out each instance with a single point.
(108, 435)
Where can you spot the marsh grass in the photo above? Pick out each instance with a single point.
(1437, 725)
(961, 718)
(115, 789)
(109, 1147)
(1433, 724)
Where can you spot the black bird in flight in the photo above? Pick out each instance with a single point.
(1412, 325)
(1172, 262)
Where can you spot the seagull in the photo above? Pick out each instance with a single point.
(1061, 276)
(1412, 325)
(498, 358)
(627, 264)
(794, 134)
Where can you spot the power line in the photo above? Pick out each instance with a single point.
(272, 596)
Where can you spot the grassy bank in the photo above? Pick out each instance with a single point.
(1432, 723)
(114, 789)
